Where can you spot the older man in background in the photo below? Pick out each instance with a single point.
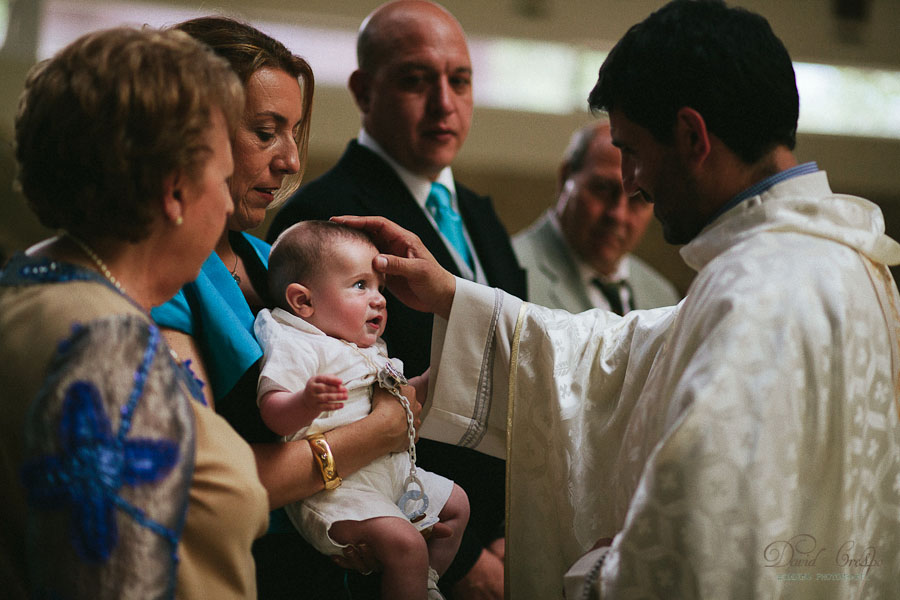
(578, 254)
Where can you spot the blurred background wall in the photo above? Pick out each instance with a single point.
(512, 152)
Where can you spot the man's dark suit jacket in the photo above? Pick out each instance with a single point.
(362, 183)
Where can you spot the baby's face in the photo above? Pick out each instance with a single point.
(346, 297)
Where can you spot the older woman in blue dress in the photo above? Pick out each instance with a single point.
(116, 480)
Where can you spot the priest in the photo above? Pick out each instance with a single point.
(743, 444)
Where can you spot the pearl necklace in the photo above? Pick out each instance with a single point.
(98, 261)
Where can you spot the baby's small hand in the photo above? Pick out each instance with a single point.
(324, 392)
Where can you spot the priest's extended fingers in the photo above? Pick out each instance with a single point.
(419, 282)
(387, 235)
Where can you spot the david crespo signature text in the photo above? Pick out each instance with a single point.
(803, 550)
(821, 577)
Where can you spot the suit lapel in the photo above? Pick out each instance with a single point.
(558, 266)
(484, 230)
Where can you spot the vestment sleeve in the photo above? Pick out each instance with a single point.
(108, 464)
(578, 379)
(469, 381)
(771, 438)
(562, 387)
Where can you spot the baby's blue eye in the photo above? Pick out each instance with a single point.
(360, 285)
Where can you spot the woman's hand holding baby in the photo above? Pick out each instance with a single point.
(386, 405)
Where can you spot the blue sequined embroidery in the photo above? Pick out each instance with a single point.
(65, 345)
(193, 383)
(44, 270)
(93, 466)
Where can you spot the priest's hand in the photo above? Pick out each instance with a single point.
(412, 273)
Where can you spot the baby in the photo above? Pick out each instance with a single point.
(322, 355)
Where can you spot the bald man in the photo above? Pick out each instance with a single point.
(578, 254)
(413, 89)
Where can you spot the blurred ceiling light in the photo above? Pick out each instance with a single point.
(4, 20)
(512, 74)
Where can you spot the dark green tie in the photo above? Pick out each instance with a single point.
(612, 291)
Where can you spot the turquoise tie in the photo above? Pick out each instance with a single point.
(447, 219)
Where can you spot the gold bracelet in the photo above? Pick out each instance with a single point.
(322, 453)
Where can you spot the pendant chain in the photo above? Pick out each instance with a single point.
(104, 270)
(234, 275)
(404, 401)
(414, 502)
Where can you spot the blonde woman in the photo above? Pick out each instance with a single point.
(211, 319)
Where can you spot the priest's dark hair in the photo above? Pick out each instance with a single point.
(726, 63)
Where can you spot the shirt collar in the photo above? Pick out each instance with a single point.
(288, 318)
(279, 315)
(417, 185)
(761, 186)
